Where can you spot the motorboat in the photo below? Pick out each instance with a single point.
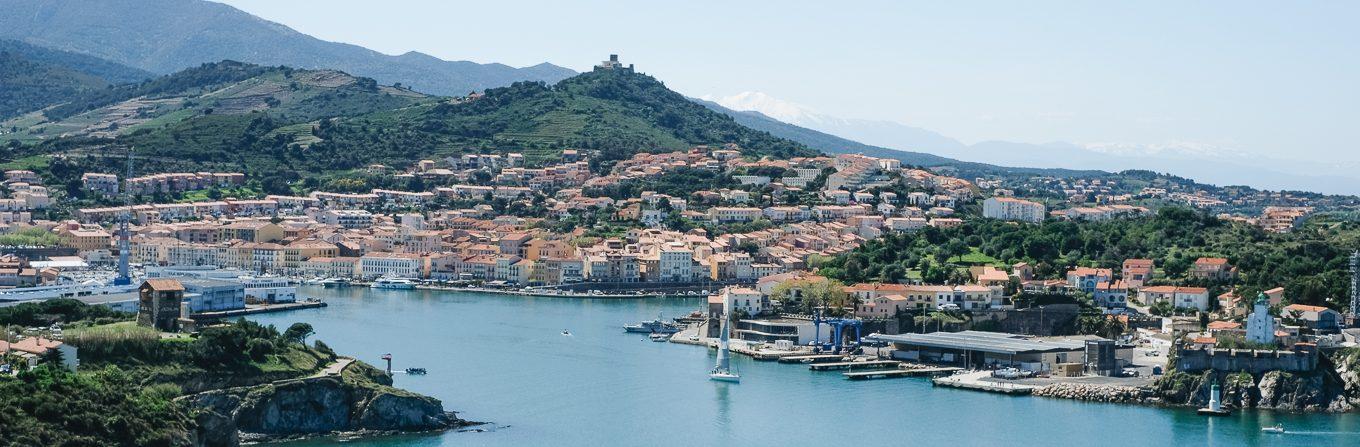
(415, 371)
(333, 282)
(659, 337)
(1278, 429)
(566, 332)
(393, 283)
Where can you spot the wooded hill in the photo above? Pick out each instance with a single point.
(281, 122)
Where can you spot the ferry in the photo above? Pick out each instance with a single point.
(393, 283)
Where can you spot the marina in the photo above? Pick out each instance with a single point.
(603, 375)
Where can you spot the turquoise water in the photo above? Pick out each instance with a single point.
(502, 359)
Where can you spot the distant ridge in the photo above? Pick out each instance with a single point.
(836, 145)
(165, 36)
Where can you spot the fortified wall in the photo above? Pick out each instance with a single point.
(1252, 361)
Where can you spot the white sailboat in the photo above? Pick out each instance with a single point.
(722, 371)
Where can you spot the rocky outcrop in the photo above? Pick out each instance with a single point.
(1333, 386)
(359, 400)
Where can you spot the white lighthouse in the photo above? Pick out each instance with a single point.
(1260, 324)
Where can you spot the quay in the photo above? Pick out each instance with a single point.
(854, 365)
(973, 381)
(252, 309)
(550, 293)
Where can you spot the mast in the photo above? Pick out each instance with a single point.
(124, 235)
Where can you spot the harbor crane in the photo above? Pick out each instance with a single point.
(838, 327)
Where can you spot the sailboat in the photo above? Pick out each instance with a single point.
(722, 371)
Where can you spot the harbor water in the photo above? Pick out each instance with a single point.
(505, 360)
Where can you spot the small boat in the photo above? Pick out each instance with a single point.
(415, 371)
(393, 283)
(659, 337)
(1278, 429)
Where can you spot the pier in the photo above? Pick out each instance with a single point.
(854, 365)
(817, 358)
(901, 372)
(252, 309)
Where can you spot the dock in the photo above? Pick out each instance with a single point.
(252, 309)
(901, 372)
(854, 365)
(973, 381)
(764, 354)
(817, 358)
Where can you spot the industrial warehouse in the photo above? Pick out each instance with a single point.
(976, 349)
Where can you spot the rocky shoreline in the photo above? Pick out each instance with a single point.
(357, 402)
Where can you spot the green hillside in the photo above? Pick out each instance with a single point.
(290, 124)
(33, 77)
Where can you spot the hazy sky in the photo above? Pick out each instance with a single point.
(1275, 78)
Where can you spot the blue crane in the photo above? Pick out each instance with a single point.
(838, 327)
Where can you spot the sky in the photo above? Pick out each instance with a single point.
(1268, 78)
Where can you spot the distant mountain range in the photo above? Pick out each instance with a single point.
(1205, 165)
(165, 36)
(833, 144)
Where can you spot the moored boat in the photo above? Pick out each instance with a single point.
(656, 326)
(393, 283)
(722, 369)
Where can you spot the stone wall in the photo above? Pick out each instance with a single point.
(1252, 361)
(1033, 321)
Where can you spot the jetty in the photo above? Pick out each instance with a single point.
(252, 309)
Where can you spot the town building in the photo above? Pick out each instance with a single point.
(1009, 208)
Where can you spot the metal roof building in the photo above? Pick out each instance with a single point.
(990, 342)
(976, 349)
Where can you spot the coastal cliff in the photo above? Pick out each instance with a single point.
(360, 399)
(1333, 386)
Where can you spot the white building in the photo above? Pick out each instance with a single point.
(398, 265)
(346, 218)
(1007, 208)
(744, 299)
(676, 264)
